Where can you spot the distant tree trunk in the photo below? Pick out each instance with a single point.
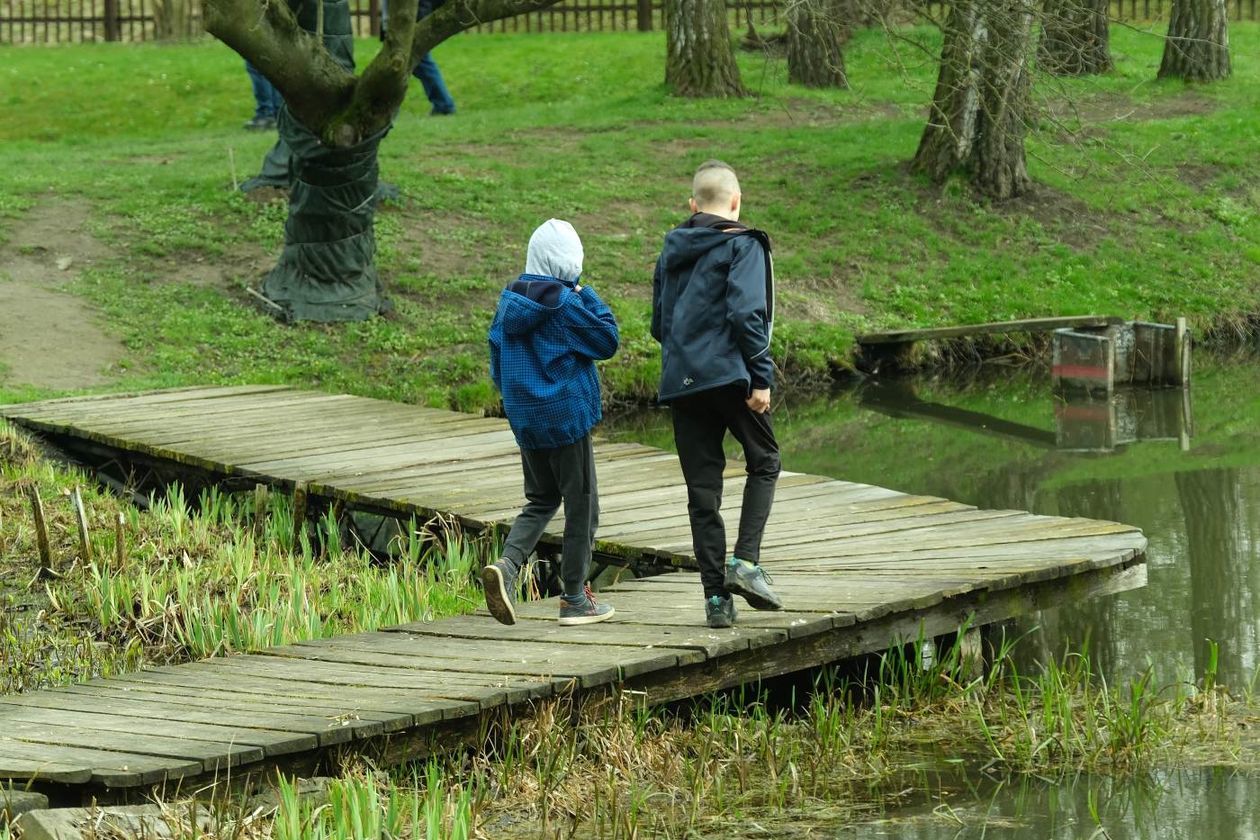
(699, 57)
(979, 114)
(172, 20)
(1197, 48)
(864, 14)
(815, 31)
(1075, 40)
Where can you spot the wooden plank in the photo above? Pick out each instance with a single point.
(348, 424)
(328, 726)
(1024, 325)
(662, 635)
(211, 756)
(136, 419)
(130, 728)
(493, 690)
(23, 760)
(394, 709)
(566, 659)
(84, 406)
(588, 676)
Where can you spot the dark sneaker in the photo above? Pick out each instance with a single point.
(588, 612)
(499, 580)
(720, 611)
(261, 123)
(750, 581)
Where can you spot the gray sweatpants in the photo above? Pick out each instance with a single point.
(565, 475)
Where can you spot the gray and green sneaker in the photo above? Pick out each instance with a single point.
(750, 581)
(499, 580)
(588, 611)
(720, 611)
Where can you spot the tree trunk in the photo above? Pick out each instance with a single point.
(814, 34)
(980, 110)
(1075, 40)
(172, 20)
(699, 56)
(865, 14)
(1197, 48)
(330, 128)
(327, 270)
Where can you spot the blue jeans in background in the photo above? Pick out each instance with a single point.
(267, 99)
(434, 87)
(427, 70)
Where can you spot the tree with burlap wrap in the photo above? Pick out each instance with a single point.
(330, 130)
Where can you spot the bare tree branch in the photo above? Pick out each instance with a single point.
(457, 15)
(383, 86)
(267, 34)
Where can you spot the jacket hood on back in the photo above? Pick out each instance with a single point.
(529, 301)
(695, 237)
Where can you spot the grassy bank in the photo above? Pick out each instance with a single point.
(1147, 206)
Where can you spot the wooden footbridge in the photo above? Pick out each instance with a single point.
(860, 568)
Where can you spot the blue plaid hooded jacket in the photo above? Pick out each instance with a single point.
(544, 341)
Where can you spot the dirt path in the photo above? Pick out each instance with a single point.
(48, 337)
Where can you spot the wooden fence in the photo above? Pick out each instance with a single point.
(74, 21)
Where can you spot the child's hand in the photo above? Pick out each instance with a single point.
(759, 401)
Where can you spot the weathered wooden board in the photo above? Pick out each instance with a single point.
(1025, 325)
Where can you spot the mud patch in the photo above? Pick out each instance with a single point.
(49, 338)
(244, 265)
(50, 240)
(1069, 220)
(1118, 107)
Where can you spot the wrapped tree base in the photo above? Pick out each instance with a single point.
(327, 271)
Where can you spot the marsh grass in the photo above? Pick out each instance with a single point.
(224, 579)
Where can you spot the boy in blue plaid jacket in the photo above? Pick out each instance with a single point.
(547, 333)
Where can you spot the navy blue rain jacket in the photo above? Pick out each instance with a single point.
(543, 342)
(713, 307)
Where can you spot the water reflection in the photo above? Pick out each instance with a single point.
(1206, 804)
(1082, 422)
(1192, 483)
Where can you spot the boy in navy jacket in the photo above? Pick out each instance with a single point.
(547, 333)
(712, 312)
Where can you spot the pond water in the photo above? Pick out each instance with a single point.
(1183, 466)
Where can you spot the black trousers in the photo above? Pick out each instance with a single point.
(565, 475)
(701, 422)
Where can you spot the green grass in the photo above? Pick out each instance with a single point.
(1150, 215)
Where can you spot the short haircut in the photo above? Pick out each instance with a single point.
(714, 183)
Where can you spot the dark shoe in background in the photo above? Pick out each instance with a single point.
(720, 611)
(589, 611)
(260, 123)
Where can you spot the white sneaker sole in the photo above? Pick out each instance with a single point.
(497, 600)
(577, 620)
